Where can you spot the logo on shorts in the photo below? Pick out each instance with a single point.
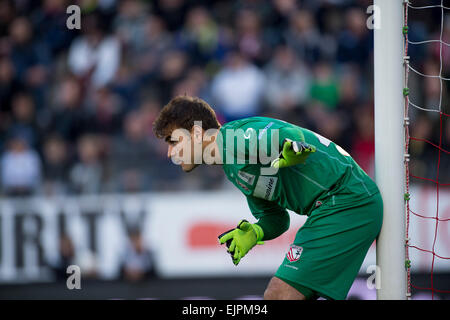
(294, 253)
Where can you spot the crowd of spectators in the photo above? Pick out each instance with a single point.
(77, 106)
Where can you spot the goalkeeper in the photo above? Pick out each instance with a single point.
(310, 176)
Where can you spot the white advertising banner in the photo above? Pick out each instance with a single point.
(190, 225)
(181, 229)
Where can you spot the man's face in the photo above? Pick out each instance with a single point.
(181, 148)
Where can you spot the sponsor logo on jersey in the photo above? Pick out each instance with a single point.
(265, 187)
(294, 253)
(247, 177)
(243, 186)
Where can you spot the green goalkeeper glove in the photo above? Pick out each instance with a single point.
(241, 239)
(293, 153)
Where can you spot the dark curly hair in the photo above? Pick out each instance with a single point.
(181, 112)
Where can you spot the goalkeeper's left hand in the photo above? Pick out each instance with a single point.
(242, 239)
(293, 153)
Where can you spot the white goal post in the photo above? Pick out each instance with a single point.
(389, 147)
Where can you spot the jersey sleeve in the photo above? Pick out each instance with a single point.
(294, 134)
(278, 134)
(259, 141)
(273, 219)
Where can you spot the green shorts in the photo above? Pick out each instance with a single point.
(330, 247)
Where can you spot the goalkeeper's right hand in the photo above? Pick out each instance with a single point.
(241, 239)
(293, 153)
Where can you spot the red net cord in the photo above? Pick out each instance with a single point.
(441, 151)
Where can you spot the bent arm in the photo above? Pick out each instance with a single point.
(273, 219)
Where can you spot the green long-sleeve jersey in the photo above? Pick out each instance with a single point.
(249, 145)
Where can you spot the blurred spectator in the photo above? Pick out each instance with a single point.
(417, 31)
(50, 22)
(88, 263)
(129, 156)
(9, 84)
(94, 56)
(304, 37)
(103, 114)
(23, 120)
(281, 11)
(7, 12)
(324, 87)
(55, 165)
(149, 110)
(65, 259)
(138, 261)
(129, 23)
(126, 85)
(351, 89)
(153, 46)
(29, 56)
(288, 81)
(363, 148)
(172, 12)
(355, 41)
(20, 168)
(434, 88)
(238, 88)
(250, 37)
(86, 175)
(194, 84)
(438, 50)
(201, 36)
(68, 117)
(172, 69)
(329, 123)
(421, 152)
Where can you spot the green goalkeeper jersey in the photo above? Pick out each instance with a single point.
(249, 145)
